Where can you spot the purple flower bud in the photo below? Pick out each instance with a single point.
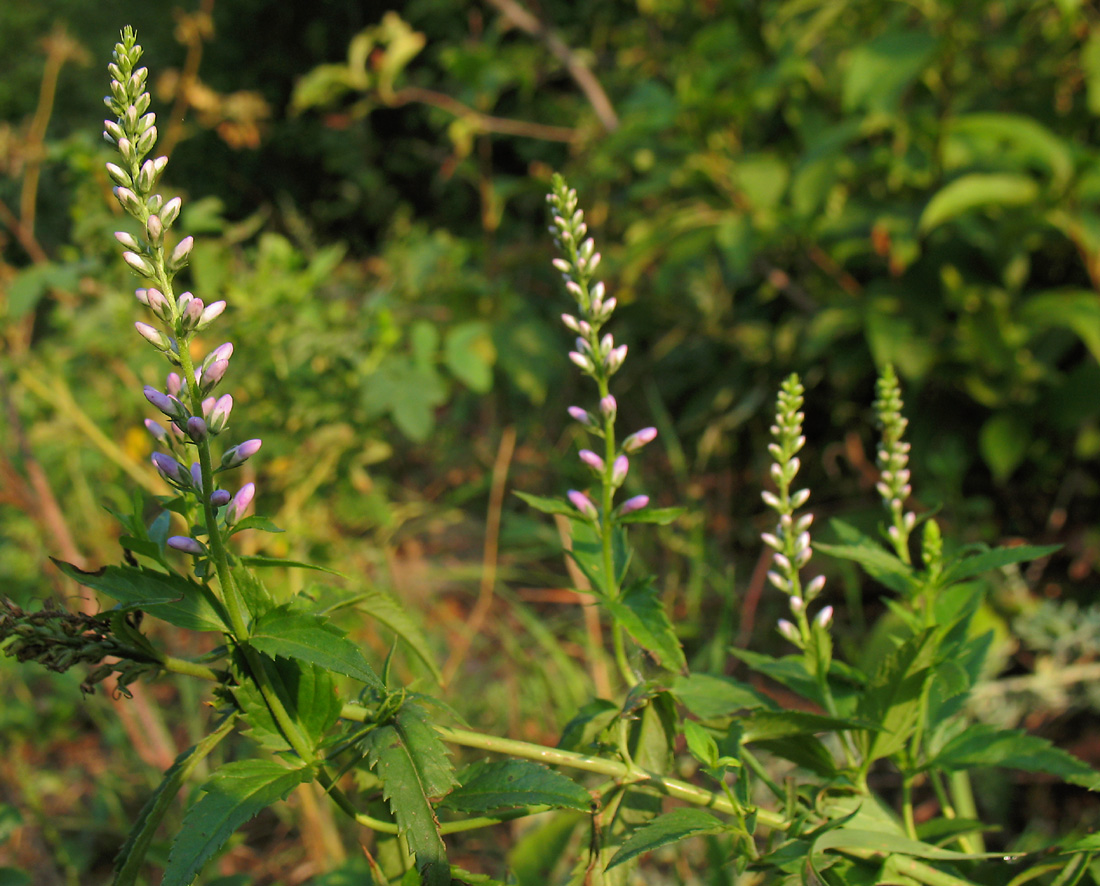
(196, 475)
(170, 469)
(181, 253)
(608, 407)
(154, 228)
(158, 432)
(185, 544)
(209, 315)
(212, 375)
(219, 497)
(619, 470)
(173, 384)
(154, 336)
(217, 417)
(614, 360)
(583, 504)
(196, 429)
(239, 454)
(221, 352)
(138, 263)
(166, 404)
(191, 314)
(633, 504)
(582, 361)
(156, 301)
(240, 502)
(128, 240)
(639, 439)
(578, 414)
(592, 460)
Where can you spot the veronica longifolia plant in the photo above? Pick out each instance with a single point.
(283, 669)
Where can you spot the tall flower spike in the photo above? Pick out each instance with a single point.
(791, 539)
(893, 460)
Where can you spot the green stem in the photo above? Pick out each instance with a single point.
(190, 668)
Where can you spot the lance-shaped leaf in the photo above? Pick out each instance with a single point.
(132, 854)
(892, 699)
(191, 606)
(983, 745)
(668, 828)
(387, 610)
(502, 784)
(642, 613)
(233, 794)
(412, 764)
(995, 559)
(290, 633)
(307, 693)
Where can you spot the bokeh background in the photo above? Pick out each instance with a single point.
(775, 186)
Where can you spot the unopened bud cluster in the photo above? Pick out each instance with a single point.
(59, 640)
(194, 413)
(594, 353)
(791, 539)
(893, 461)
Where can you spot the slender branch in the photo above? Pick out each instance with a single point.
(484, 122)
(577, 69)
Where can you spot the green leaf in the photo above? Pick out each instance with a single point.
(132, 852)
(983, 139)
(413, 768)
(995, 559)
(306, 691)
(1077, 310)
(660, 516)
(470, 354)
(257, 598)
(881, 69)
(1003, 442)
(984, 745)
(256, 521)
(548, 505)
(32, 283)
(503, 784)
(767, 725)
(977, 190)
(192, 606)
(709, 696)
(878, 563)
(279, 561)
(668, 828)
(234, 793)
(806, 751)
(891, 700)
(583, 731)
(291, 633)
(642, 613)
(541, 848)
(391, 613)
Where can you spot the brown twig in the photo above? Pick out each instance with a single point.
(484, 122)
(25, 236)
(489, 554)
(191, 30)
(577, 69)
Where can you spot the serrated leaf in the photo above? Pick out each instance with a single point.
(995, 559)
(709, 696)
(409, 767)
(234, 794)
(806, 751)
(390, 612)
(132, 852)
(892, 699)
(502, 784)
(257, 598)
(307, 692)
(642, 613)
(588, 723)
(668, 828)
(192, 606)
(877, 562)
(547, 505)
(983, 745)
(290, 633)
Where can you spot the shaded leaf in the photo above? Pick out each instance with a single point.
(668, 828)
(234, 793)
(509, 783)
(995, 559)
(709, 696)
(192, 605)
(977, 190)
(641, 611)
(391, 613)
(290, 633)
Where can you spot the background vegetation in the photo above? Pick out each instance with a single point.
(775, 186)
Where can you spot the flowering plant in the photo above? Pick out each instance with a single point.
(674, 752)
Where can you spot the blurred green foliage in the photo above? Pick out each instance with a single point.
(777, 185)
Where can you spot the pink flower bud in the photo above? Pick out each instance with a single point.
(592, 460)
(239, 454)
(158, 432)
(609, 407)
(583, 504)
(578, 414)
(639, 439)
(209, 315)
(240, 503)
(633, 504)
(196, 429)
(619, 470)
